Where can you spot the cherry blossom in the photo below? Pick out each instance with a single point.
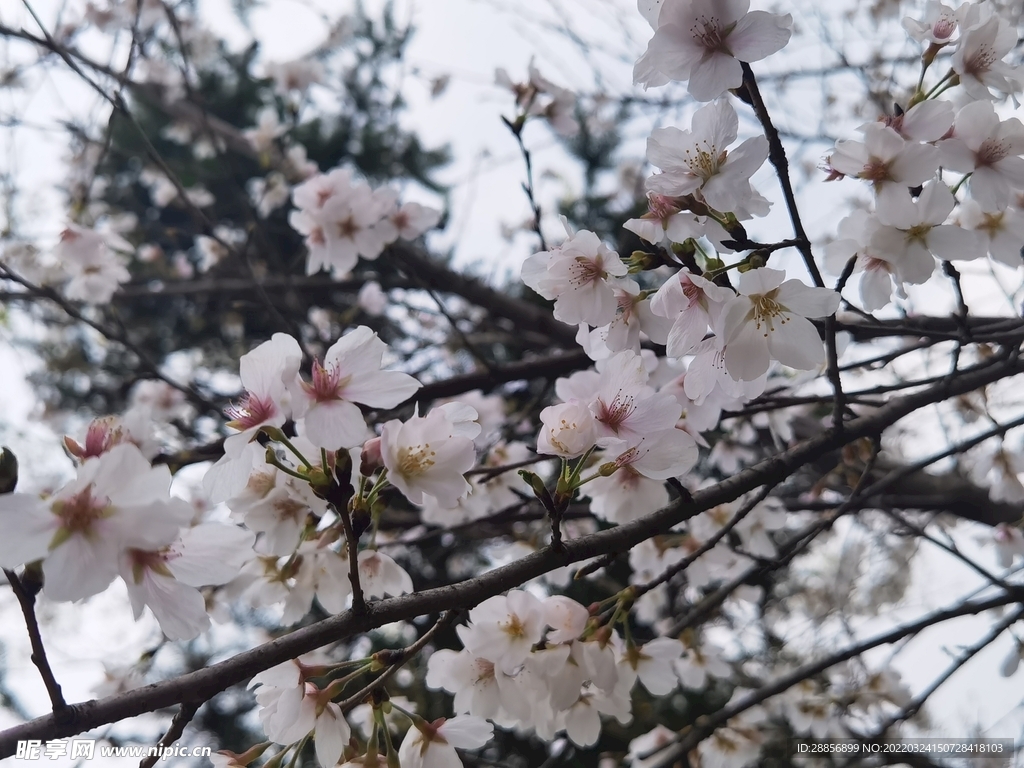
(266, 373)
(653, 664)
(692, 303)
(667, 222)
(88, 257)
(433, 745)
(938, 26)
(882, 268)
(990, 150)
(625, 496)
(887, 161)
(567, 430)
(380, 575)
(625, 408)
(504, 628)
(1002, 232)
(166, 579)
(698, 161)
(633, 316)
(578, 276)
(916, 228)
(978, 59)
(429, 455)
(350, 373)
(117, 501)
(704, 41)
(769, 320)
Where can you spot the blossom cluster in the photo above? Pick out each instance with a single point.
(343, 220)
(911, 158)
(117, 518)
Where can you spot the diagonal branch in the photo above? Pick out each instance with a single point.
(205, 683)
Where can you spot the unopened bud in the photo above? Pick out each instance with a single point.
(370, 460)
(639, 261)
(8, 470)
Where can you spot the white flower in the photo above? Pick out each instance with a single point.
(886, 160)
(633, 316)
(480, 687)
(625, 496)
(769, 320)
(915, 228)
(412, 220)
(939, 23)
(380, 575)
(704, 41)
(96, 271)
(665, 221)
(707, 387)
(653, 664)
(881, 269)
(698, 161)
(349, 374)
(504, 628)
(697, 662)
(433, 745)
(297, 75)
(567, 430)
(342, 220)
(118, 501)
(989, 149)
(578, 276)
(1002, 232)
(978, 58)
(371, 299)
(926, 121)
(268, 128)
(735, 744)
(626, 409)
(331, 734)
(692, 303)
(650, 744)
(266, 373)
(566, 617)
(166, 579)
(429, 455)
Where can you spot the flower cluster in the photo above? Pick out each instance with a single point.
(343, 220)
(907, 159)
(117, 518)
(580, 671)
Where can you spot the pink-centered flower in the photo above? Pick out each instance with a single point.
(990, 150)
(267, 373)
(704, 41)
(887, 161)
(117, 502)
(350, 373)
(692, 303)
(579, 276)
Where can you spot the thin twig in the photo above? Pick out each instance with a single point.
(27, 601)
(184, 715)
(397, 659)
